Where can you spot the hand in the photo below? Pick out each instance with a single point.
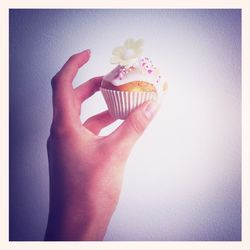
(86, 170)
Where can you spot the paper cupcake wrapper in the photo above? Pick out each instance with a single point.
(121, 103)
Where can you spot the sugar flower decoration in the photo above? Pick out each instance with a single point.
(127, 54)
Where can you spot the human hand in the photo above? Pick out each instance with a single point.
(86, 170)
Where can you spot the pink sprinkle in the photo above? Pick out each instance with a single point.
(150, 71)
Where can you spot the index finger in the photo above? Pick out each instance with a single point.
(63, 92)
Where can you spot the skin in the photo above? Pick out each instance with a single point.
(86, 170)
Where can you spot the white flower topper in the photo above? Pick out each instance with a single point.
(127, 54)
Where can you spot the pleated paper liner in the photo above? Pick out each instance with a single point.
(121, 103)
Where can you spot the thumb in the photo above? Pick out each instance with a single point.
(133, 127)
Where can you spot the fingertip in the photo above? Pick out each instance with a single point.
(85, 56)
(88, 51)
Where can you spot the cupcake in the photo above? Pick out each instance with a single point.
(132, 82)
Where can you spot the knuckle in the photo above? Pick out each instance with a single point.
(60, 131)
(49, 142)
(55, 80)
(72, 58)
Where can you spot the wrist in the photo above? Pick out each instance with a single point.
(76, 227)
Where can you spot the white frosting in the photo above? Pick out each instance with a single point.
(140, 71)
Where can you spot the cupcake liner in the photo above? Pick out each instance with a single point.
(121, 103)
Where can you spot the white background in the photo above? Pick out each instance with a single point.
(183, 179)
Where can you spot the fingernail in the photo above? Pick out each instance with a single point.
(88, 51)
(151, 109)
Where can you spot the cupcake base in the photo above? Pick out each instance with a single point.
(121, 103)
(138, 86)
